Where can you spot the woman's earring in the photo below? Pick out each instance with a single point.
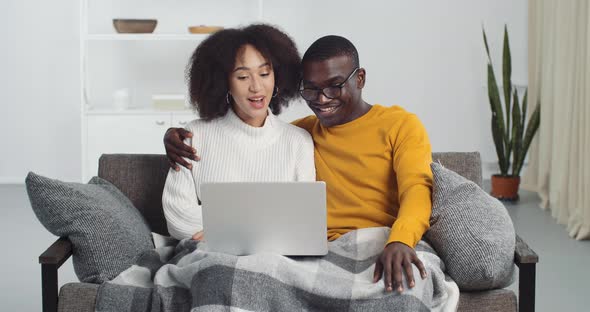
(227, 98)
(276, 92)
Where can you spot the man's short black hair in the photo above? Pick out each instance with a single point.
(330, 46)
(214, 59)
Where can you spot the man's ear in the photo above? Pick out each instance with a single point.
(361, 77)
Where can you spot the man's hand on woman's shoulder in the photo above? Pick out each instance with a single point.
(176, 149)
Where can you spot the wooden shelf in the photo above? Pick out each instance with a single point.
(142, 37)
(137, 111)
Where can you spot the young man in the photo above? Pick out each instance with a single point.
(375, 160)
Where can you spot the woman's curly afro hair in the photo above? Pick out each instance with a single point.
(214, 59)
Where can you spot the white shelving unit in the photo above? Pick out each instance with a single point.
(145, 64)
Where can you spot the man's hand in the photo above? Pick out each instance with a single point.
(198, 236)
(397, 257)
(176, 149)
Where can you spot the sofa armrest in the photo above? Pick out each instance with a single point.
(50, 260)
(57, 253)
(523, 253)
(526, 259)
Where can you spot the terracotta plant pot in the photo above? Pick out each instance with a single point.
(505, 187)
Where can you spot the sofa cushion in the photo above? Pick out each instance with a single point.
(77, 297)
(471, 231)
(106, 231)
(497, 300)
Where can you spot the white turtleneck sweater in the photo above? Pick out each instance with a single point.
(233, 151)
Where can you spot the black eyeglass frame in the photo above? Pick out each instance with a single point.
(323, 91)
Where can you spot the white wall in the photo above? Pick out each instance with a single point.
(427, 56)
(39, 89)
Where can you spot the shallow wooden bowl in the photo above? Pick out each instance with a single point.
(202, 29)
(134, 26)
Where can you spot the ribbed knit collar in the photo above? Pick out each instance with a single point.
(242, 130)
(351, 125)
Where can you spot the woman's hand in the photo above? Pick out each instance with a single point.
(199, 236)
(176, 149)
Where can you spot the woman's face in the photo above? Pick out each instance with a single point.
(251, 85)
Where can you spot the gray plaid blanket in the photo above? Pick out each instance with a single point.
(188, 277)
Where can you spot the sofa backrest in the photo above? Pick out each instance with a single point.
(141, 177)
(467, 164)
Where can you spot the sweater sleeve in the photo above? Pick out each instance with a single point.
(181, 205)
(411, 163)
(305, 168)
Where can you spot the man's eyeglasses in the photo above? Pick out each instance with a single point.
(331, 92)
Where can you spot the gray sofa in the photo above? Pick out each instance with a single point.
(142, 177)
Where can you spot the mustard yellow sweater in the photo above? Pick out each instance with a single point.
(377, 173)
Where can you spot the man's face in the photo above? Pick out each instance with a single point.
(334, 72)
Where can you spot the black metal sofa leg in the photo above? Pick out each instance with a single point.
(49, 289)
(526, 287)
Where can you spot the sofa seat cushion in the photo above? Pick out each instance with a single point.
(77, 297)
(498, 300)
(81, 297)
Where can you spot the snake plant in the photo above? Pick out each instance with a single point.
(508, 122)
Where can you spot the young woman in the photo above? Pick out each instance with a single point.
(238, 79)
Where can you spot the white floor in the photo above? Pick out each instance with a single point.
(563, 274)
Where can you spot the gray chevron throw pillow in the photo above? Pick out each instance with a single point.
(106, 230)
(471, 231)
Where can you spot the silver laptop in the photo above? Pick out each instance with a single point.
(287, 218)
